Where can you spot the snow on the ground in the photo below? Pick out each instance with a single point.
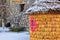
(3, 29)
(14, 36)
(5, 35)
(43, 6)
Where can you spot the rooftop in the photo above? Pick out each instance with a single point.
(44, 7)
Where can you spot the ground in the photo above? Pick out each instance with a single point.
(13, 35)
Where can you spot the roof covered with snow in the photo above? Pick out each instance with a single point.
(43, 6)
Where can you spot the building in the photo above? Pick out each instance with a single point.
(44, 20)
(12, 10)
(19, 7)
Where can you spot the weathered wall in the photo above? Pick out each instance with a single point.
(48, 27)
(18, 16)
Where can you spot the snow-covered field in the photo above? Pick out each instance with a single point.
(14, 36)
(6, 35)
(3, 29)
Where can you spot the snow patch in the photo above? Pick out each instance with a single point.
(14, 36)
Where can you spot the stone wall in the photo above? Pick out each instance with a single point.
(19, 17)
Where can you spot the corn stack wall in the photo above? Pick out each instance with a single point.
(48, 27)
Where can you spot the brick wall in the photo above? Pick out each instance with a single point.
(48, 27)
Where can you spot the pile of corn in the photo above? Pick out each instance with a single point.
(18, 1)
(48, 27)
